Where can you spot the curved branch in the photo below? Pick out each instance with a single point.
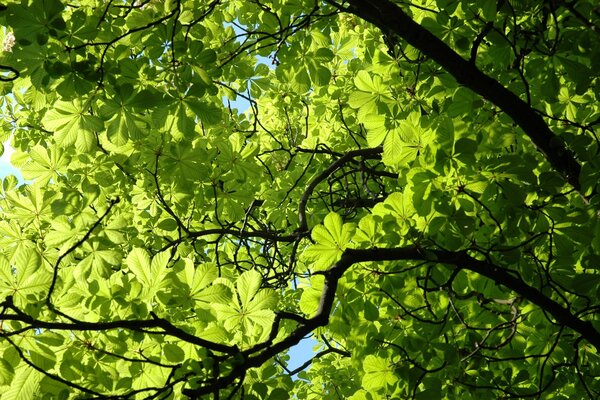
(136, 325)
(459, 259)
(390, 18)
(8, 73)
(499, 275)
(325, 174)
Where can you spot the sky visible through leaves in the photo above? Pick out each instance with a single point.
(299, 353)
(413, 186)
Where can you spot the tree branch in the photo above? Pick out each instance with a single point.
(390, 18)
(325, 174)
(459, 259)
(494, 272)
(135, 325)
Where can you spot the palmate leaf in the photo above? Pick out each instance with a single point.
(123, 126)
(150, 273)
(63, 232)
(115, 227)
(201, 281)
(359, 99)
(207, 113)
(72, 125)
(173, 353)
(32, 22)
(247, 286)
(264, 299)
(366, 232)
(13, 240)
(214, 332)
(378, 373)
(252, 309)
(361, 395)
(27, 263)
(7, 372)
(98, 263)
(331, 239)
(394, 149)
(198, 278)
(151, 376)
(376, 129)
(370, 90)
(400, 204)
(24, 277)
(406, 142)
(370, 83)
(29, 206)
(261, 318)
(138, 262)
(6, 277)
(123, 123)
(25, 384)
(45, 164)
(231, 317)
(311, 295)
(252, 299)
(185, 162)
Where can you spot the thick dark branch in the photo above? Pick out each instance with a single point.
(8, 73)
(494, 272)
(321, 318)
(460, 259)
(136, 325)
(486, 29)
(393, 21)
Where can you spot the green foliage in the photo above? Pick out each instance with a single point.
(331, 239)
(415, 185)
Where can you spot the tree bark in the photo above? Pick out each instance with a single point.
(392, 21)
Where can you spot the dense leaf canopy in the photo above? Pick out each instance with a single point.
(205, 183)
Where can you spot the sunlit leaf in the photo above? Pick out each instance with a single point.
(331, 239)
(378, 373)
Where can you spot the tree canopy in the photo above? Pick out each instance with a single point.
(414, 184)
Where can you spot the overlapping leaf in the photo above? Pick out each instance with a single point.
(252, 309)
(331, 239)
(378, 373)
(149, 272)
(73, 125)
